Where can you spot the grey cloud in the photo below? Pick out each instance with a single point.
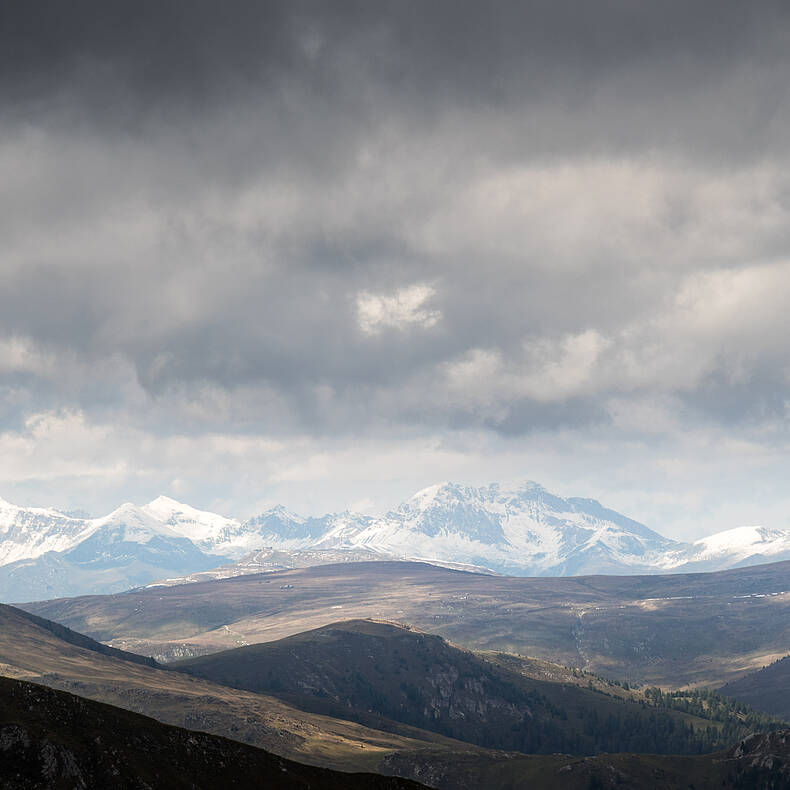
(660, 68)
(198, 196)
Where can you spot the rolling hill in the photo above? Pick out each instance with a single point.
(673, 630)
(365, 670)
(35, 650)
(46, 653)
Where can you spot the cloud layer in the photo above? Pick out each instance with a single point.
(283, 234)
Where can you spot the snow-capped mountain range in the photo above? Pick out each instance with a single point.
(517, 529)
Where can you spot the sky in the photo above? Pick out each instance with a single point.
(326, 254)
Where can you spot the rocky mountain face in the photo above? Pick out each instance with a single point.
(521, 530)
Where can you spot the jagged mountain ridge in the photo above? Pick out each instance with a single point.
(27, 532)
(519, 529)
(124, 549)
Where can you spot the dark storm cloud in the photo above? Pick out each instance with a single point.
(115, 60)
(354, 214)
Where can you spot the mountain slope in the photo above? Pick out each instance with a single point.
(768, 689)
(365, 670)
(17, 623)
(41, 652)
(50, 739)
(269, 560)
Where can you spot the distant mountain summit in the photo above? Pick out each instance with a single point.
(519, 529)
(65, 556)
(732, 548)
(31, 531)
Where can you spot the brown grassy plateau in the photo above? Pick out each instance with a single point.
(672, 631)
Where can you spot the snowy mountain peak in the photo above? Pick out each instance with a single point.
(742, 544)
(280, 511)
(128, 510)
(199, 525)
(448, 492)
(31, 531)
(443, 494)
(735, 538)
(163, 502)
(518, 528)
(8, 509)
(432, 494)
(133, 524)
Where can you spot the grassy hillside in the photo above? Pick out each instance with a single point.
(52, 740)
(670, 631)
(31, 651)
(366, 670)
(768, 689)
(13, 614)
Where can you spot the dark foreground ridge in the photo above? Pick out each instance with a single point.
(52, 740)
(760, 762)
